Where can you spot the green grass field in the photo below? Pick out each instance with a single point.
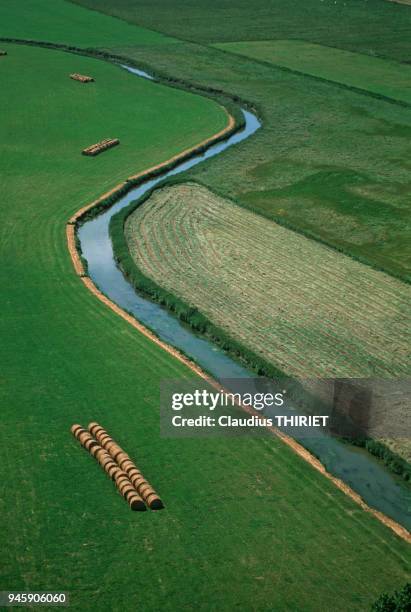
(374, 27)
(60, 22)
(382, 77)
(247, 524)
(308, 310)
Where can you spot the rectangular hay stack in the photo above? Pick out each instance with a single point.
(99, 147)
(81, 77)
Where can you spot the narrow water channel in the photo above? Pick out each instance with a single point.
(367, 476)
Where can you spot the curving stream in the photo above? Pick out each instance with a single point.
(367, 476)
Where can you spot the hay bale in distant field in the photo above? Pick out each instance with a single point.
(101, 146)
(83, 78)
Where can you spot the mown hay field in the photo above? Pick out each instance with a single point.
(379, 76)
(310, 311)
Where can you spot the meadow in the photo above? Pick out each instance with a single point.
(67, 358)
(70, 25)
(375, 75)
(307, 309)
(373, 27)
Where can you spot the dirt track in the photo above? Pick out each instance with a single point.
(295, 446)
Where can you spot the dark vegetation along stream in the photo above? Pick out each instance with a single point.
(366, 475)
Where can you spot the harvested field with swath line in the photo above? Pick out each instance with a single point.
(306, 308)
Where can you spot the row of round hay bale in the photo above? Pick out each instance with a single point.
(97, 148)
(110, 467)
(141, 485)
(83, 78)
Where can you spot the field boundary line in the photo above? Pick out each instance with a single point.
(297, 448)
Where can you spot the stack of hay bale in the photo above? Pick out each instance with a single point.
(81, 77)
(117, 464)
(97, 148)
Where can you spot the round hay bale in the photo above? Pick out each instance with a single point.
(101, 453)
(116, 453)
(113, 449)
(122, 457)
(112, 470)
(126, 488)
(95, 450)
(83, 436)
(133, 472)
(89, 444)
(136, 503)
(125, 485)
(154, 502)
(74, 428)
(91, 427)
(130, 493)
(121, 473)
(120, 480)
(145, 490)
(112, 445)
(102, 458)
(127, 465)
(138, 481)
(79, 432)
(103, 437)
(106, 462)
